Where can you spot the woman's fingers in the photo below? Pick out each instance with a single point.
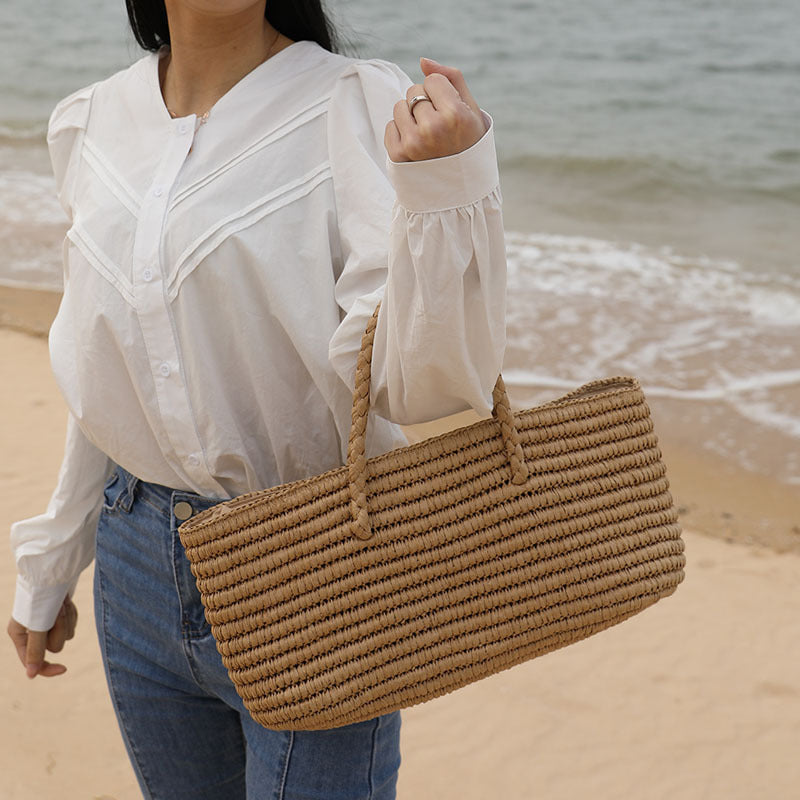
(455, 77)
(402, 140)
(391, 141)
(35, 662)
(64, 627)
(72, 618)
(445, 123)
(423, 109)
(57, 635)
(32, 645)
(19, 636)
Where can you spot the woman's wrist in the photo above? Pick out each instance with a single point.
(35, 606)
(454, 181)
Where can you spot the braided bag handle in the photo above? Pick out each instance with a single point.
(356, 447)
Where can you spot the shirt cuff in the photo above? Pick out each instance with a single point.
(37, 607)
(439, 184)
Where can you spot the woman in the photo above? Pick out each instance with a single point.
(234, 222)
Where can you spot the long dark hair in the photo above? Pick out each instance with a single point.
(295, 19)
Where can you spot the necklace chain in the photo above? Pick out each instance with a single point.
(203, 118)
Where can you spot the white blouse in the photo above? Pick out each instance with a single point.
(218, 279)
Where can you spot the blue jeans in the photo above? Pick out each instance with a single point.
(186, 730)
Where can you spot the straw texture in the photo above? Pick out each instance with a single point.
(393, 580)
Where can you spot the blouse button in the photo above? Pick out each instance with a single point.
(147, 275)
(193, 460)
(158, 191)
(183, 128)
(164, 369)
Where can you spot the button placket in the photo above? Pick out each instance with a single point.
(155, 319)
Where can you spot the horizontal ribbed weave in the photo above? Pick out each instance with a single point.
(465, 573)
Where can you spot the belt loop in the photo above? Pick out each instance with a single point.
(128, 496)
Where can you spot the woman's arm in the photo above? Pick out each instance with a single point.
(425, 236)
(52, 549)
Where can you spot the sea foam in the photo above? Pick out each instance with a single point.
(703, 333)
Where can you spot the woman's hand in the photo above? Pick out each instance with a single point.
(449, 122)
(31, 645)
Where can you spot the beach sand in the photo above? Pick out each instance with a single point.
(697, 697)
(28, 310)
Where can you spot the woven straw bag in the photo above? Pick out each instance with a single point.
(393, 580)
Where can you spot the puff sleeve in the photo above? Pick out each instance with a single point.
(65, 132)
(427, 239)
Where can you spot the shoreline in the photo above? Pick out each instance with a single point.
(715, 496)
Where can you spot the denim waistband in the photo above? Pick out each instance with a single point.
(164, 498)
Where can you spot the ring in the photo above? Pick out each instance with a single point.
(417, 99)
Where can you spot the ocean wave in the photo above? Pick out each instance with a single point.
(28, 198)
(600, 165)
(720, 391)
(657, 285)
(704, 332)
(778, 67)
(640, 178)
(787, 156)
(32, 133)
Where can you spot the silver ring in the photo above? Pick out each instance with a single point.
(417, 99)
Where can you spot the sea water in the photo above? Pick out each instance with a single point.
(650, 163)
